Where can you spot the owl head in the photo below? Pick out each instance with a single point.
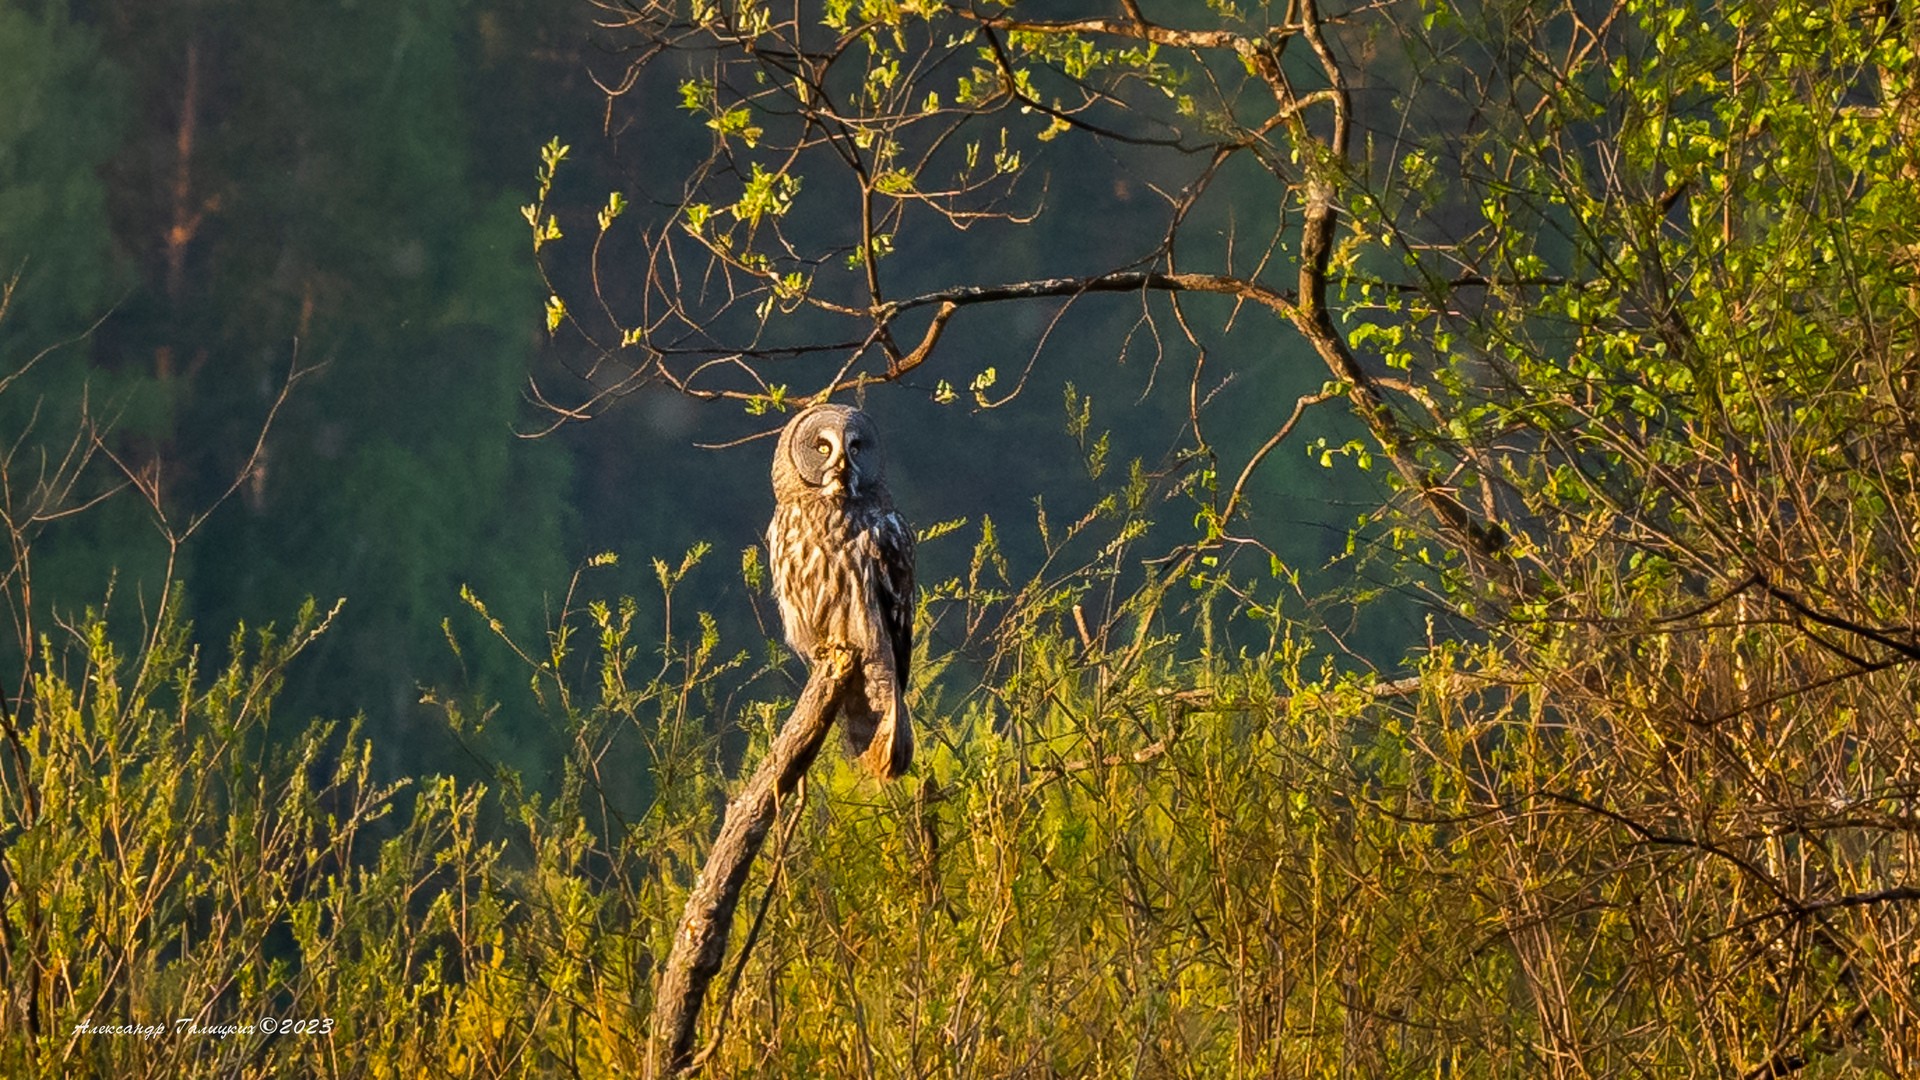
(831, 448)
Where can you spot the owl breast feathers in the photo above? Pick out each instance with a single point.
(842, 563)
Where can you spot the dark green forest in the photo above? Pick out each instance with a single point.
(1417, 507)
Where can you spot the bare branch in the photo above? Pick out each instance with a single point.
(700, 941)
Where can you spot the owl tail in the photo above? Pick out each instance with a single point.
(875, 722)
(891, 752)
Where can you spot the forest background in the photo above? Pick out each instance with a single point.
(1417, 532)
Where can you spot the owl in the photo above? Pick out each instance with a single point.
(843, 572)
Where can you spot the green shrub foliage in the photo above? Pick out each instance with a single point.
(1117, 858)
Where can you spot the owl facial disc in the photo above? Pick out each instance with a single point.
(833, 448)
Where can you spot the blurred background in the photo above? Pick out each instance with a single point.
(202, 201)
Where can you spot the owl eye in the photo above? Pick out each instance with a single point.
(824, 447)
(854, 447)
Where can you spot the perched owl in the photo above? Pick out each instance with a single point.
(843, 571)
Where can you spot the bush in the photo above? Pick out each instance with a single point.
(1140, 859)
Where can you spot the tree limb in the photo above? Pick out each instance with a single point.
(700, 941)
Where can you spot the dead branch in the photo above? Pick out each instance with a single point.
(700, 941)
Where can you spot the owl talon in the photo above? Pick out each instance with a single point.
(843, 658)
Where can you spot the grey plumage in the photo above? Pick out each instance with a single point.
(842, 563)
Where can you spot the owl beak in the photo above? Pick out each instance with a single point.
(839, 475)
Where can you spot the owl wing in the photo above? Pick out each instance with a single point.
(895, 543)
